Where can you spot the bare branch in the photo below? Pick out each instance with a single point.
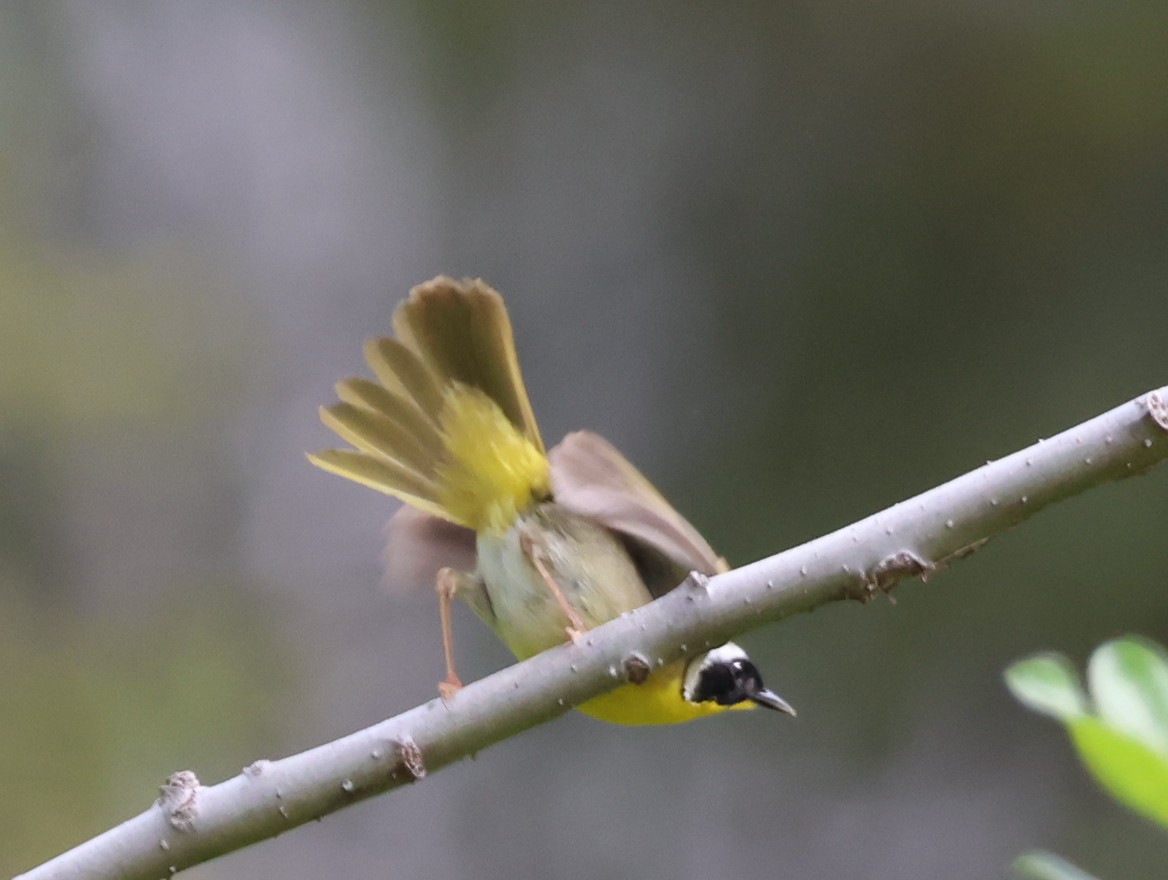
(191, 823)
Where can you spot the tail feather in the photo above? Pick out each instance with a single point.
(379, 399)
(400, 369)
(463, 334)
(374, 433)
(383, 475)
(448, 427)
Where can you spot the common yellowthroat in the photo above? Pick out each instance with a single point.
(563, 540)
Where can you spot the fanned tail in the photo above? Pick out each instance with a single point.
(447, 427)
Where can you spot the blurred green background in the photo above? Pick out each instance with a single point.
(799, 261)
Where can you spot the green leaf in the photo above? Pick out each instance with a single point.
(1041, 865)
(1047, 683)
(1135, 775)
(1128, 679)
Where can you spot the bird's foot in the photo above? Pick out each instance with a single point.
(449, 687)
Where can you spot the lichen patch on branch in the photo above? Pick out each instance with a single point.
(179, 799)
(411, 757)
(1158, 409)
(889, 571)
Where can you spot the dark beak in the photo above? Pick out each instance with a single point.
(770, 700)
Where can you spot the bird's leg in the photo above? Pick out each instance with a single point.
(451, 583)
(534, 552)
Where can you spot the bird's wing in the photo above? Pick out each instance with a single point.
(591, 478)
(417, 545)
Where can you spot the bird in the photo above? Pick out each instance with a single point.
(557, 542)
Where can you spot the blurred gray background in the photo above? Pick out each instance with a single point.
(799, 261)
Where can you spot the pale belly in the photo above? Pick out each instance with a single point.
(585, 561)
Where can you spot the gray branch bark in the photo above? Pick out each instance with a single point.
(191, 823)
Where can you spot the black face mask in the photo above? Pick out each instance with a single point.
(731, 682)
